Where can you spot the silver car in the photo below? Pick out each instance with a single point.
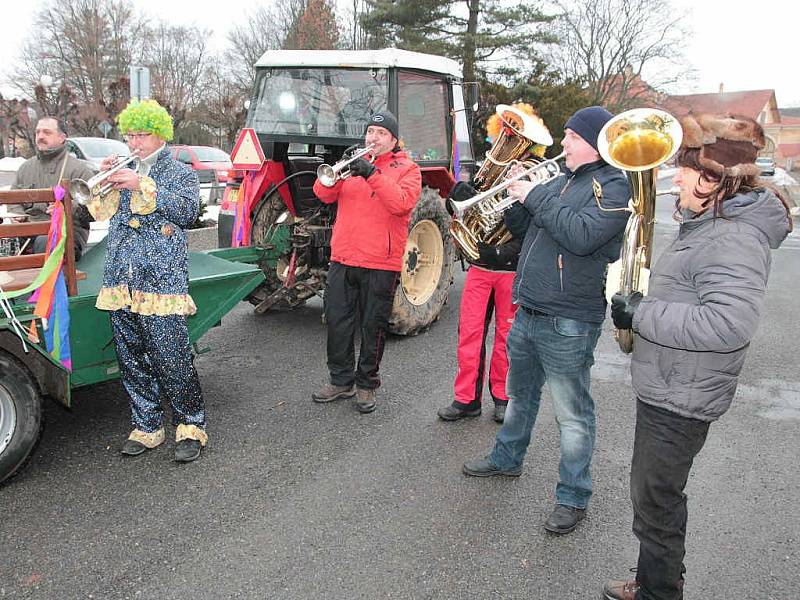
(766, 164)
(95, 149)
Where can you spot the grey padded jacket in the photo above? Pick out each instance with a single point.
(703, 306)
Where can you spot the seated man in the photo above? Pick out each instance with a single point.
(53, 163)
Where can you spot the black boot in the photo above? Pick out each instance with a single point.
(459, 410)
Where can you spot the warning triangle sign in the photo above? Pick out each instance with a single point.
(247, 154)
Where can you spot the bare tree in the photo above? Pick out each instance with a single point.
(176, 57)
(75, 60)
(16, 123)
(610, 44)
(81, 44)
(222, 108)
(266, 28)
(353, 37)
(317, 28)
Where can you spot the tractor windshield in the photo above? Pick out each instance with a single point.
(317, 102)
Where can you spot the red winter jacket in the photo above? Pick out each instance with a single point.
(372, 217)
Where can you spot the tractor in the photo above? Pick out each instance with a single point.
(307, 109)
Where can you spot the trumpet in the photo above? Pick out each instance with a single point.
(328, 175)
(82, 190)
(542, 172)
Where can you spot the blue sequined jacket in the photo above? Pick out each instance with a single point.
(146, 268)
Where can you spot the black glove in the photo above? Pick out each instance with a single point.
(361, 168)
(623, 309)
(488, 254)
(461, 191)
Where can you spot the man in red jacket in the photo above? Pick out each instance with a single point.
(369, 240)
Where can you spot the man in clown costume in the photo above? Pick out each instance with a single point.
(146, 283)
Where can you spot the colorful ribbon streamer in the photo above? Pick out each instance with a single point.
(50, 289)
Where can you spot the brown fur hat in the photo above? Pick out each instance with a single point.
(728, 143)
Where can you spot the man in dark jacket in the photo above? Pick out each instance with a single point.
(369, 239)
(51, 164)
(568, 243)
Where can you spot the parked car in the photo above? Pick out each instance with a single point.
(212, 164)
(766, 164)
(95, 149)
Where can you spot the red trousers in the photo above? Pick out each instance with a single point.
(485, 292)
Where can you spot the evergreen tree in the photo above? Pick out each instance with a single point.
(477, 33)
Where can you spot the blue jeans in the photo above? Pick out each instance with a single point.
(559, 351)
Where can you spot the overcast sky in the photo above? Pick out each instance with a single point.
(745, 45)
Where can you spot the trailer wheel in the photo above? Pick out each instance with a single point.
(427, 267)
(20, 416)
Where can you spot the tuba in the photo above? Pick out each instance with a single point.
(480, 222)
(637, 141)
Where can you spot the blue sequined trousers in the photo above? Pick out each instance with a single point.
(156, 364)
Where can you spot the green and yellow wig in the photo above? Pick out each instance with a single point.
(146, 115)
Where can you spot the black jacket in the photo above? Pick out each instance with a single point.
(569, 241)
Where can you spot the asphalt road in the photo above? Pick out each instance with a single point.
(298, 500)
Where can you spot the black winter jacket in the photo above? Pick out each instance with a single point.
(569, 241)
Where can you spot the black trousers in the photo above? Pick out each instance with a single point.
(664, 448)
(367, 295)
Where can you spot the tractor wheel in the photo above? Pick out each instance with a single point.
(20, 416)
(263, 231)
(427, 267)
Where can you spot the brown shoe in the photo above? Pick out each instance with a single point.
(365, 400)
(330, 392)
(620, 590)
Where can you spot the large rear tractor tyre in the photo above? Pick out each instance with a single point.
(427, 267)
(264, 231)
(20, 416)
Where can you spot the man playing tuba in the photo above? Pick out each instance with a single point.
(490, 276)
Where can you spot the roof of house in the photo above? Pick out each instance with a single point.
(749, 103)
(630, 86)
(789, 150)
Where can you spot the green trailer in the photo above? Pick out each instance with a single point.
(28, 373)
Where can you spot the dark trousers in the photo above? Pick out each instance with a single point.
(363, 294)
(664, 448)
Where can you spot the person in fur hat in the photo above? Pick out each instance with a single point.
(705, 298)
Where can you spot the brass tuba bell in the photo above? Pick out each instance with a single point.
(638, 141)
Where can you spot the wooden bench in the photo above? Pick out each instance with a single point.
(23, 269)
